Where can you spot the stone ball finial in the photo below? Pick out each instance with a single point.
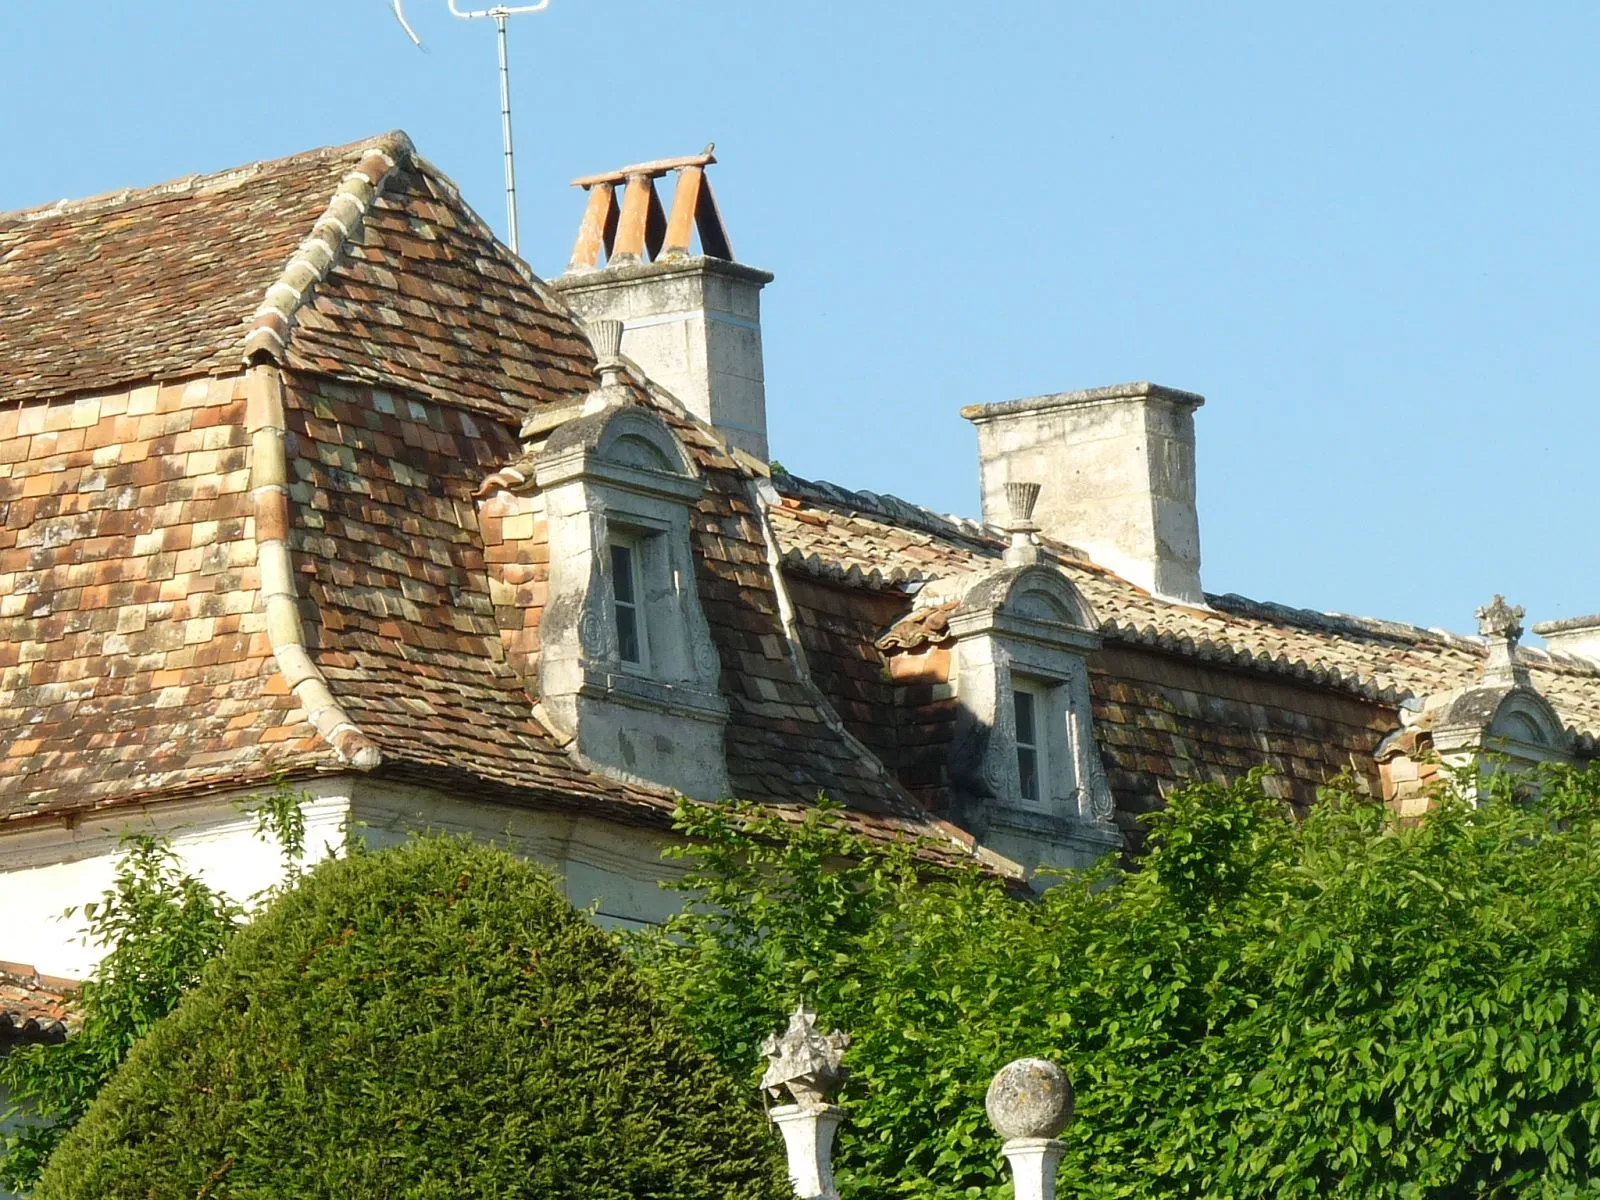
(607, 339)
(1029, 1098)
(1020, 499)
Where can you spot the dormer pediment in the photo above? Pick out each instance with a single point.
(624, 446)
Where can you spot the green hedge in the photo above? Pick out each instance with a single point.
(430, 1021)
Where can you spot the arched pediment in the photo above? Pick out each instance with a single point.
(1043, 594)
(1036, 603)
(1515, 721)
(634, 437)
(1526, 718)
(1035, 593)
(630, 437)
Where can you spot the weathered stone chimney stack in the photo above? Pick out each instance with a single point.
(1576, 636)
(692, 322)
(1117, 469)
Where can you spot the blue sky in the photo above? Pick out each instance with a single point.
(1365, 232)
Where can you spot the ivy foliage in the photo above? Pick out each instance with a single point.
(432, 1021)
(1346, 1007)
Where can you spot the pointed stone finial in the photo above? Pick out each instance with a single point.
(1500, 625)
(1020, 499)
(1029, 1102)
(803, 1061)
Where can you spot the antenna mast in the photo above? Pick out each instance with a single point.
(499, 13)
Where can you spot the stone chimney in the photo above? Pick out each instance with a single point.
(1576, 636)
(1117, 469)
(692, 322)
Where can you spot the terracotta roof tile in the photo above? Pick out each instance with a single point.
(137, 660)
(1179, 692)
(150, 284)
(840, 534)
(34, 1008)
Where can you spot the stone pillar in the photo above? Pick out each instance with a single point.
(805, 1064)
(1029, 1102)
(1034, 1164)
(808, 1138)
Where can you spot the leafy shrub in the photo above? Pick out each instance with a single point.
(430, 1021)
(1348, 1007)
(160, 927)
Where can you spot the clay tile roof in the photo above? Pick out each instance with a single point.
(308, 259)
(153, 283)
(840, 534)
(33, 1008)
(135, 658)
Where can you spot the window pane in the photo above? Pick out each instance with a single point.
(1025, 725)
(628, 633)
(1028, 770)
(622, 573)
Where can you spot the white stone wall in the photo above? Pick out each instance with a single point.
(616, 868)
(45, 871)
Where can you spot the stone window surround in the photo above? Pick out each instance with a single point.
(615, 474)
(1002, 639)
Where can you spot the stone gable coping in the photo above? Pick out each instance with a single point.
(273, 323)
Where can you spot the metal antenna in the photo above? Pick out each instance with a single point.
(499, 13)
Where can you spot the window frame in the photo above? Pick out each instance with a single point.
(1039, 696)
(633, 546)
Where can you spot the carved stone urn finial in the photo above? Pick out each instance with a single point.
(1021, 496)
(1020, 499)
(607, 338)
(1500, 625)
(803, 1061)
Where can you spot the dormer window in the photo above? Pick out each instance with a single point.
(627, 593)
(1026, 771)
(626, 662)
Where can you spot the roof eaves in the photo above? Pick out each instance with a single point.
(34, 1008)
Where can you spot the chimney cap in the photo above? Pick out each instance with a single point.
(638, 229)
(1088, 396)
(1568, 625)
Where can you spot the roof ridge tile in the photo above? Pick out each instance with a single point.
(200, 182)
(273, 323)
